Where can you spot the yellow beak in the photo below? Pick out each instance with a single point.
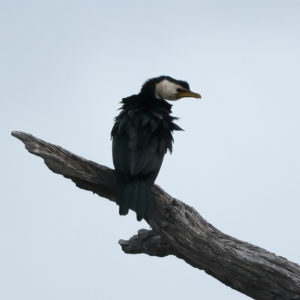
(187, 94)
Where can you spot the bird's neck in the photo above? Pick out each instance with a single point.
(146, 102)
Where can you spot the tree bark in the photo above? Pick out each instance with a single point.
(178, 229)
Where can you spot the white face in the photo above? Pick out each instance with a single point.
(167, 90)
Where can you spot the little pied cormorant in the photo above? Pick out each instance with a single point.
(141, 136)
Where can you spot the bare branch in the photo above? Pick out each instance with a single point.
(179, 230)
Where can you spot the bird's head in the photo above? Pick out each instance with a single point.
(165, 87)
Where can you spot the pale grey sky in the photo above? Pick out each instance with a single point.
(64, 67)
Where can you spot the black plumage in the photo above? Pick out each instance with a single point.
(141, 136)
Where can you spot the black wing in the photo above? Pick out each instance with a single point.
(141, 136)
(140, 141)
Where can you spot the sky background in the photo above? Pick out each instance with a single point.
(64, 67)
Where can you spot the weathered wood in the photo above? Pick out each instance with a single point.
(178, 229)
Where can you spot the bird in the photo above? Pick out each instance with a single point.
(141, 136)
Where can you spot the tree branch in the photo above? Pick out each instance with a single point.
(179, 230)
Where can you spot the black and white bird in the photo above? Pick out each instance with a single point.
(141, 136)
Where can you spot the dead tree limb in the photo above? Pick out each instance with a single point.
(178, 229)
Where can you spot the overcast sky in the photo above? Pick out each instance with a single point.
(64, 67)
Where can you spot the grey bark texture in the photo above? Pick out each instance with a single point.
(178, 229)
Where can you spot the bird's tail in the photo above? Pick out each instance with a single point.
(135, 195)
